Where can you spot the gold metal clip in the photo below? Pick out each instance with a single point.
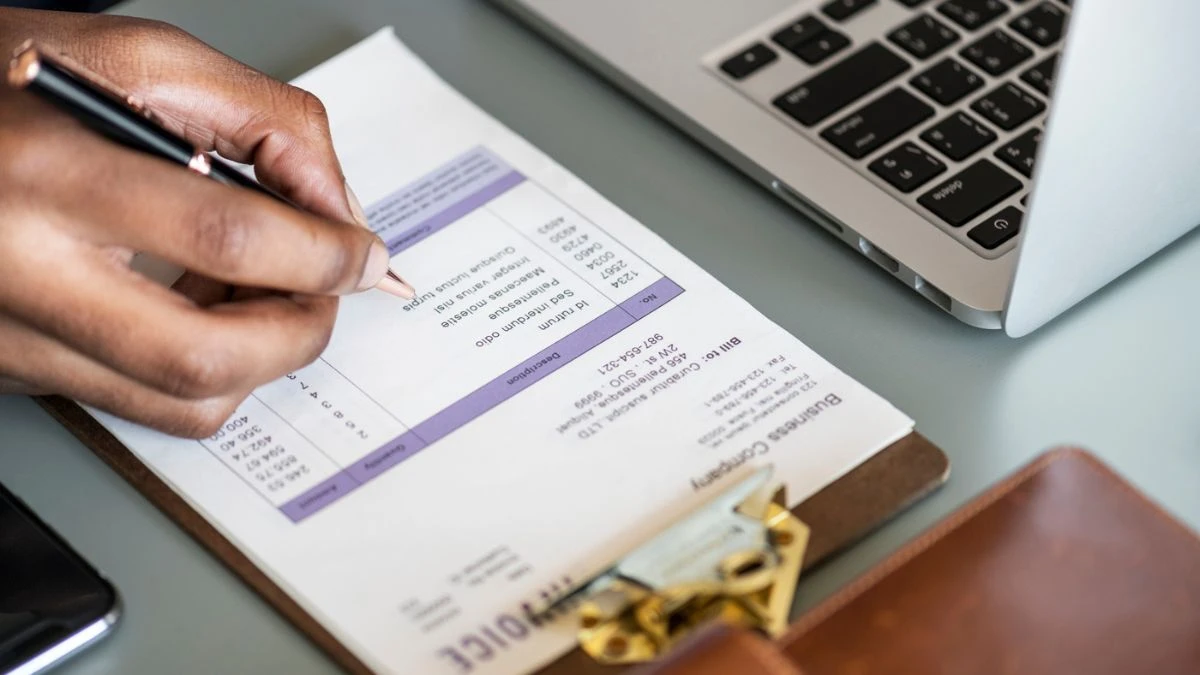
(737, 560)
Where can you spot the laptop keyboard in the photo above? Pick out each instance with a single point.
(940, 102)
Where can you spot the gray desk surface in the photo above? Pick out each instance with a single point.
(1119, 374)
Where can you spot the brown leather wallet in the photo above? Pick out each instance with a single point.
(1062, 568)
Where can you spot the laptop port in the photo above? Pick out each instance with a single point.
(801, 204)
(880, 258)
(933, 294)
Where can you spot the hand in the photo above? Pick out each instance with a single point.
(259, 297)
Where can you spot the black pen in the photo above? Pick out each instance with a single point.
(102, 107)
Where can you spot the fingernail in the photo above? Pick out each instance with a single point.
(356, 208)
(376, 268)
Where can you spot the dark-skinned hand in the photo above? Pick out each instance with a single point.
(260, 294)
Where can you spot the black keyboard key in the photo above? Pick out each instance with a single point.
(865, 131)
(822, 47)
(977, 188)
(947, 81)
(842, 84)
(1020, 152)
(1041, 76)
(748, 61)
(908, 167)
(810, 40)
(1042, 24)
(910, 3)
(840, 10)
(923, 37)
(972, 14)
(803, 30)
(1008, 106)
(958, 136)
(996, 52)
(998, 228)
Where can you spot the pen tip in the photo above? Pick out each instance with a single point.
(393, 284)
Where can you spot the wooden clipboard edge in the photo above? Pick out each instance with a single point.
(871, 495)
(839, 515)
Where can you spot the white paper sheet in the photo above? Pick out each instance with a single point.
(565, 385)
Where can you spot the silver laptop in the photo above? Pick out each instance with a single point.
(1004, 158)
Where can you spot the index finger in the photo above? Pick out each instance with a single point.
(229, 234)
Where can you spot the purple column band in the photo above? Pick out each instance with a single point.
(418, 210)
(413, 236)
(545, 362)
(483, 399)
(391, 454)
(521, 377)
(324, 494)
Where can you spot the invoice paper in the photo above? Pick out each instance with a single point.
(563, 387)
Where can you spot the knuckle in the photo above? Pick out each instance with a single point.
(145, 33)
(221, 238)
(137, 38)
(198, 373)
(314, 110)
(204, 419)
(140, 54)
(160, 29)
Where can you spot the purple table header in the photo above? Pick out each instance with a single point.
(656, 295)
(420, 209)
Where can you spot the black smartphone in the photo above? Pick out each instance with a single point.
(53, 603)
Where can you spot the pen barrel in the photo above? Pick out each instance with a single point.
(116, 119)
(99, 111)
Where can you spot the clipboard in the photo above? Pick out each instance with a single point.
(839, 515)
